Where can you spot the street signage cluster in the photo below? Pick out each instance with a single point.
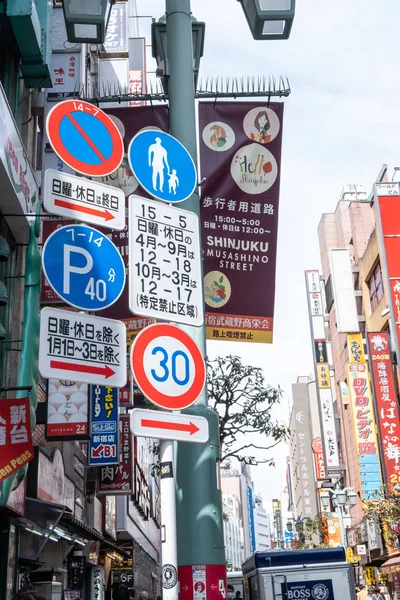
(165, 262)
(168, 366)
(80, 347)
(83, 199)
(83, 267)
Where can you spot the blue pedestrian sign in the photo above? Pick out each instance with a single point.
(83, 267)
(162, 166)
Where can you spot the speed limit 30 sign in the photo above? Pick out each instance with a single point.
(168, 366)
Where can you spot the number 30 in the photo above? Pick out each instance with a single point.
(164, 364)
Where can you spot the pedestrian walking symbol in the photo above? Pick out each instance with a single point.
(163, 167)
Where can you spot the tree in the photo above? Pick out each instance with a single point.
(244, 404)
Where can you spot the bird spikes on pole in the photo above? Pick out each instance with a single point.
(213, 88)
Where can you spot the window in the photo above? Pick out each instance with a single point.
(375, 286)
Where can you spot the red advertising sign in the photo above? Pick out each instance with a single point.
(117, 479)
(387, 407)
(16, 448)
(319, 459)
(240, 151)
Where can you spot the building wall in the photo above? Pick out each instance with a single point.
(262, 526)
(233, 534)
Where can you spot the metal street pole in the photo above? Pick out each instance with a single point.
(199, 515)
(168, 522)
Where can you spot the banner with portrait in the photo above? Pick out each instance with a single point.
(240, 154)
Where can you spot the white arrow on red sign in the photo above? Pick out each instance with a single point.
(169, 426)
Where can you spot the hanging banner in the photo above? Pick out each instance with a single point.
(16, 448)
(319, 459)
(323, 376)
(365, 430)
(240, 152)
(117, 479)
(67, 410)
(387, 407)
(103, 444)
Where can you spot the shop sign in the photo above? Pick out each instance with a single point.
(51, 478)
(319, 459)
(321, 354)
(374, 539)
(66, 74)
(124, 576)
(16, 499)
(355, 348)
(351, 538)
(103, 444)
(16, 448)
(143, 461)
(15, 164)
(361, 549)
(388, 409)
(116, 41)
(117, 479)
(370, 575)
(76, 572)
(96, 583)
(110, 516)
(365, 429)
(94, 552)
(323, 376)
(67, 410)
(349, 555)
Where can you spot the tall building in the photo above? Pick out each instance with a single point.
(233, 531)
(262, 526)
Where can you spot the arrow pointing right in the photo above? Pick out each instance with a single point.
(104, 370)
(190, 427)
(103, 214)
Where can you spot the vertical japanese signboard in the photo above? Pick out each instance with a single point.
(387, 407)
(76, 572)
(67, 410)
(240, 152)
(365, 430)
(16, 448)
(355, 347)
(103, 445)
(319, 459)
(117, 479)
(116, 41)
(330, 447)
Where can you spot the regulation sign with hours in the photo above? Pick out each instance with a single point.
(84, 200)
(79, 347)
(165, 263)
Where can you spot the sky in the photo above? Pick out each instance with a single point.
(341, 123)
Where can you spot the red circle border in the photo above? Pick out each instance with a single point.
(62, 109)
(137, 352)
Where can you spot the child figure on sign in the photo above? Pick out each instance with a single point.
(173, 181)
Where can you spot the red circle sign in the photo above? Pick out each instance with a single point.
(168, 366)
(85, 138)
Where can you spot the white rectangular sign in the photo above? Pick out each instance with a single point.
(164, 262)
(84, 200)
(79, 347)
(168, 426)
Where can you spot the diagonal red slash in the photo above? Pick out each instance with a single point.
(86, 137)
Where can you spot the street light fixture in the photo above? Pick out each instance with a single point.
(159, 47)
(269, 19)
(86, 21)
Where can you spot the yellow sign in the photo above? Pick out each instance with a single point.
(349, 555)
(370, 575)
(324, 379)
(355, 348)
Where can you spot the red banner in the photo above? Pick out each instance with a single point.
(387, 407)
(117, 479)
(319, 459)
(240, 151)
(16, 448)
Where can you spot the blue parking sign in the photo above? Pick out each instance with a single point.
(83, 267)
(162, 165)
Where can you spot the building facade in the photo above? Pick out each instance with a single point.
(262, 526)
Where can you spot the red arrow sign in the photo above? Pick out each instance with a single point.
(189, 427)
(97, 452)
(104, 214)
(66, 366)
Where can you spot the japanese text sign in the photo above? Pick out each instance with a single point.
(118, 479)
(355, 347)
(97, 587)
(165, 262)
(76, 572)
(240, 152)
(80, 347)
(103, 445)
(117, 30)
(16, 448)
(67, 410)
(387, 407)
(365, 430)
(324, 378)
(319, 459)
(84, 200)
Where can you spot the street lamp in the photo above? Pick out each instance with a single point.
(269, 19)
(340, 498)
(159, 47)
(86, 21)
